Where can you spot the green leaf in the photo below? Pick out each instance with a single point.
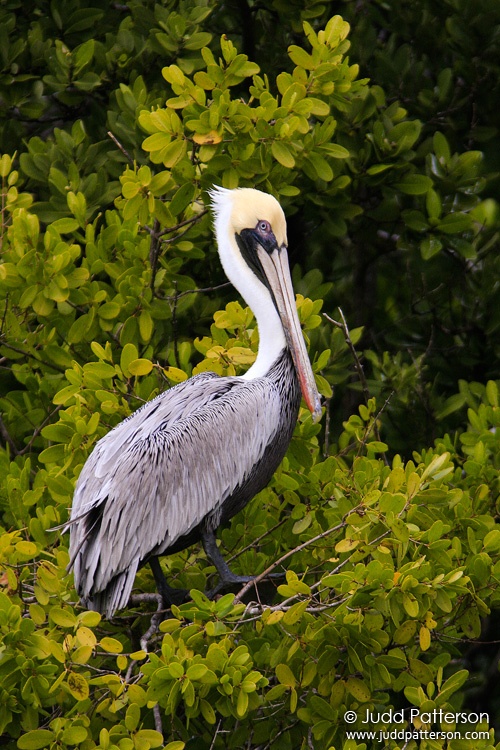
(282, 154)
(149, 736)
(74, 735)
(322, 708)
(411, 605)
(65, 226)
(336, 151)
(26, 549)
(414, 184)
(53, 455)
(300, 57)
(173, 153)
(77, 686)
(242, 704)
(35, 739)
(196, 672)
(100, 370)
(320, 166)
(433, 204)
(79, 328)
(112, 645)
(358, 689)
(405, 632)
(175, 375)
(285, 675)
(430, 247)
(455, 223)
(435, 465)
(441, 148)
(62, 617)
(491, 541)
(109, 310)
(319, 108)
(140, 366)
(451, 686)
(378, 168)
(492, 393)
(182, 199)
(145, 325)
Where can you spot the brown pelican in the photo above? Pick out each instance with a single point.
(184, 463)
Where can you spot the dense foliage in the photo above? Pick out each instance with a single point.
(380, 139)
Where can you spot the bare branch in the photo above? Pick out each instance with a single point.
(357, 363)
(185, 223)
(39, 429)
(29, 354)
(217, 729)
(255, 542)
(197, 291)
(7, 438)
(122, 148)
(373, 427)
(158, 722)
(284, 557)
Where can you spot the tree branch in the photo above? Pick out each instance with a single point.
(284, 557)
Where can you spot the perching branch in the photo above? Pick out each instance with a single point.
(284, 557)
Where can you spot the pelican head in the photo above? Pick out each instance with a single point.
(251, 235)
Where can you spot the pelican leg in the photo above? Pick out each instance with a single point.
(226, 575)
(168, 594)
(229, 581)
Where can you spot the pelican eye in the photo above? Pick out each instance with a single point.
(264, 227)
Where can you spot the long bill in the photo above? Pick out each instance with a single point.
(277, 271)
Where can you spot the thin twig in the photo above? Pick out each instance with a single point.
(37, 359)
(155, 619)
(215, 735)
(184, 223)
(357, 363)
(39, 429)
(7, 438)
(286, 604)
(374, 427)
(122, 148)
(174, 328)
(196, 291)
(286, 729)
(154, 251)
(284, 557)
(255, 542)
(361, 375)
(158, 721)
(326, 444)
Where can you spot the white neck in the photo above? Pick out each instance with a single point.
(271, 335)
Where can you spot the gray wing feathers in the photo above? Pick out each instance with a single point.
(159, 473)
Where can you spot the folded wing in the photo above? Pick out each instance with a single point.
(155, 477)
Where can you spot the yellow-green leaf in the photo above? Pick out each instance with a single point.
(140, 366)
(282, 154)
(358, 689)
(77, 686)
(35, 739)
